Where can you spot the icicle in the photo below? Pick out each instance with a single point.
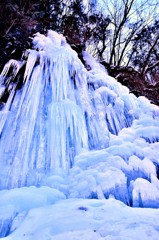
(5, 112)
(11, 65)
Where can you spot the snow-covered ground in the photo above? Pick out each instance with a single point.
(87, 219)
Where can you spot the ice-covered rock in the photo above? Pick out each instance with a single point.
(145, 194)
(72, 133)
(88, 219)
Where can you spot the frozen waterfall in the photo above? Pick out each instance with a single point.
(79, 133)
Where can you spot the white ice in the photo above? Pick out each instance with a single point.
(88, 219)
(74, 144)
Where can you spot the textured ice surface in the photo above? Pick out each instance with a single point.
(77, 219)
(73, 133)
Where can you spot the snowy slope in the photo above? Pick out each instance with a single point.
(77, 219)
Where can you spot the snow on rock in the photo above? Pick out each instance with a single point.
(22, 196)
(142, 168)
(145, 194)
(88, 219)
(16, 203)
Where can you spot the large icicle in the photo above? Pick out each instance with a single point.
(46, 126)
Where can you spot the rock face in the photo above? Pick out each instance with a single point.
(137, 84)
(140, 85)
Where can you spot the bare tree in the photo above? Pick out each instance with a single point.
(127, 19)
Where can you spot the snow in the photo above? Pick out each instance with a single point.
(88, 219)
(142, 190)
(78, 152)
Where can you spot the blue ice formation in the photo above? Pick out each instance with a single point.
(77, 131)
